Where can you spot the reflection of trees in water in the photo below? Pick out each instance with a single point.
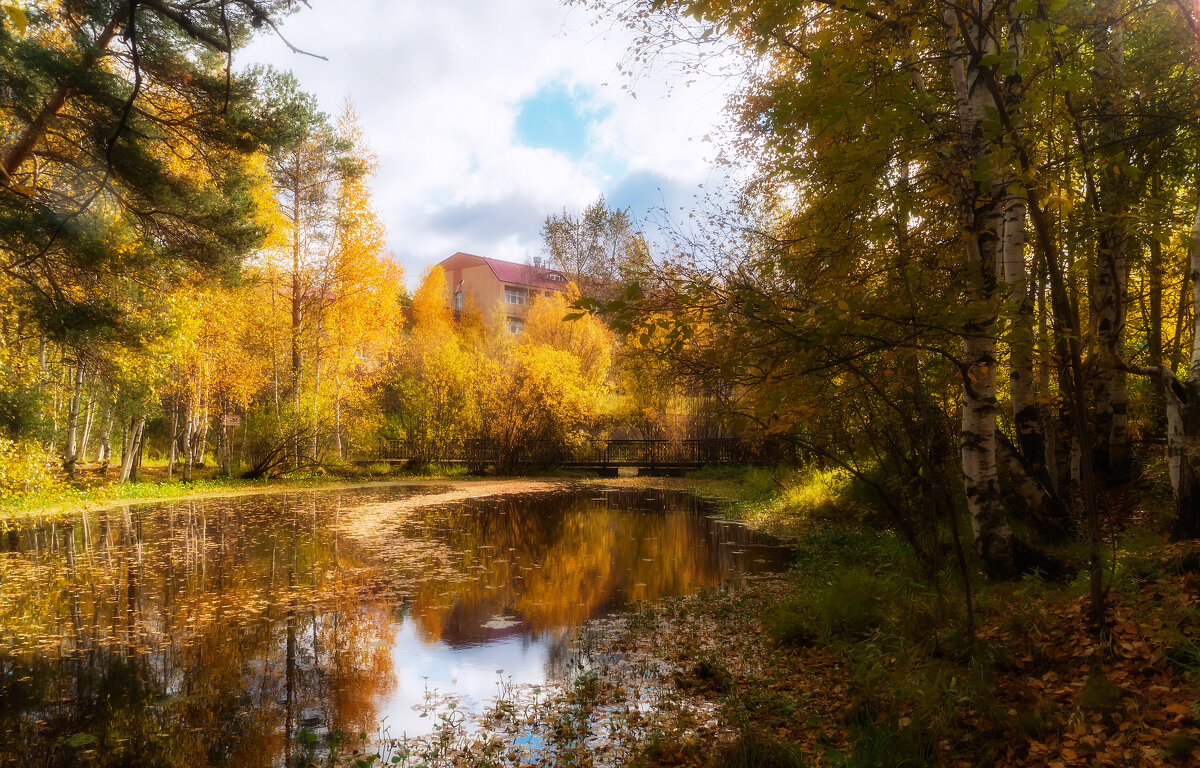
(208, 633)
(556, 564)
(161, 635)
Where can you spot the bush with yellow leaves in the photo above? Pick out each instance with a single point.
(26, 468)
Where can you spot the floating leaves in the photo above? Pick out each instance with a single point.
(255, 607)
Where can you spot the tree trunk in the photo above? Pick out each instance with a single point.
(297, 317)
(71, 452)
(1047, 413)
(1154, 338)
(133, 439)
(245, 439)
(981, 219)
(174, 450)
(138, 447)
(1183, 412)
(337, 421)
(227, 452)
(1183, 397)
(189, 443)
(1026, 419)
(1069, 349)
(43, 370)
(21, 149)
(88, 420)
(1026, 423)
(1108, 295)
(1031, 485)
(202, 419)
(126, 431)
(316, 388)
(104, 452)
(226, 444)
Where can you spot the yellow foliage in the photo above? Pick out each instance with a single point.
(26, 467)
(430, 308)
(586, 338)
(538, 395)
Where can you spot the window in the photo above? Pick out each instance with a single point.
(515, 326)
(557, 277)
(514, 295)
(458, 299)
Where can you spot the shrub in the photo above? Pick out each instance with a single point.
(707, 674)
(893, 746)
(1099, 694)
(1180, 745)
(26, 468)
(848, 606)
(756, 749)
(1032, 723)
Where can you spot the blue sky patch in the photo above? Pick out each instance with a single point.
(558, 118)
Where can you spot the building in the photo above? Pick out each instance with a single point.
(493, 285)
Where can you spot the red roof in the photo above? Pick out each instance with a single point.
(515, 274)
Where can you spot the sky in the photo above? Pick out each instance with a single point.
(488, 115)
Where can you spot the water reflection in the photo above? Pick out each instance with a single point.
(210, 633)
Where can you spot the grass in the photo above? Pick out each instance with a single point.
(91, 489)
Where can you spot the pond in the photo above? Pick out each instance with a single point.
(212, 632)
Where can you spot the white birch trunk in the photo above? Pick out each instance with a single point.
(981, 219)
(174, 448)
(337, 421)
(189, 441)
(1194, 274)
(88, 420)
(1021, 339)
(104, 451)
(134, 441)
(71, 452)
(1183, 409)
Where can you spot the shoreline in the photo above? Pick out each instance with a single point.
(457, 487)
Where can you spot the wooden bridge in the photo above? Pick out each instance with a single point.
(606, 456)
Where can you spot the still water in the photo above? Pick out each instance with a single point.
(212, 632)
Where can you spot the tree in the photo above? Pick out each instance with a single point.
(884, 228)
(127, 158)
(595, 247)
(359, 290)
(308, 166)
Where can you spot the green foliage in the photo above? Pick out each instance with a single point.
(755, 748)
(1100, 694)
(23, 408)
(849, 605)
(1180, 745)
(828, 549)
(112, 213)
(892, 746)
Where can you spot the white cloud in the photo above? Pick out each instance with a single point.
(438, 87)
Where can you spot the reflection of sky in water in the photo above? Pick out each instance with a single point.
(224, 626)
(469, 674)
